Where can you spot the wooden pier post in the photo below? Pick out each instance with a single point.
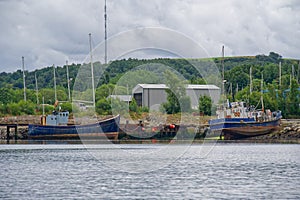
(8, 127)
(16, 133)
(7, 134)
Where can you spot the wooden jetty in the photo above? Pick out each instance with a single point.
(10, 126)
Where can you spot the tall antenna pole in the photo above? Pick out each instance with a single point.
(43, 106)
(223, 72)
(92, 69)
(37, 90)
(105, 33)
(24, 84)
(293, 71)
(251, 80)
(54, 78)
(262, 98)
(69, 93)
(298, 74)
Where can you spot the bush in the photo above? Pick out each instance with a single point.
(205, 105)
(103, 107)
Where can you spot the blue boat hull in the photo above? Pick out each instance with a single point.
(107, 128)
(235, 128)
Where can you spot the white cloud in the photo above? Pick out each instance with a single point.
(49, 32)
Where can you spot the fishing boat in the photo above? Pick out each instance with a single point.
(237, 120)
(55, 126)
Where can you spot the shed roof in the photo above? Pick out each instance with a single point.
(189, 86)
(125, 98)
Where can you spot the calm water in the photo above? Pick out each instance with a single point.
(227, 171)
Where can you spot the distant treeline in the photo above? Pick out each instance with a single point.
(195, 71)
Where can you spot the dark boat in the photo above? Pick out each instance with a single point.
(56, 128)
(238, 121)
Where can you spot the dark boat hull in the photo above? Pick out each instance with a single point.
(242, 128)
(108, 128)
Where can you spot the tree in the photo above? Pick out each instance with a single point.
(293, 101)
(205, 105)
(176, 94)
(6, 95)
(133, 106)
(103, 107)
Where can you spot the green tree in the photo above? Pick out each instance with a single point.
(13, 109)
(293, 102)
(133, 106)
(66, 106)
(26, 107)
(6, 95)
(205, 105)
(176, 94)
(103, 107)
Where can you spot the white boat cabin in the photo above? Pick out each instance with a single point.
(57, 118)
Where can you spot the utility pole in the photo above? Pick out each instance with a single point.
(262, 91)
(293, 71)
(298, 74)
(69, 93)
(92, 70)
(251, 80)
(24, 84)
(223, 73)
(54, 78)
(37, 90)
(105, 33)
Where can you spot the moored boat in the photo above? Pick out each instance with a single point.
(55, 126)
(236, 120)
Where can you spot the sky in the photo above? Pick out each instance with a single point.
(50, 32)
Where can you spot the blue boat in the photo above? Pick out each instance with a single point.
(55, 126)
(237, 121)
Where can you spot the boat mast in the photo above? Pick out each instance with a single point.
(105, 33)
(251, 80)
(69, 93)
(298, 73)
(24, 84)
(92, 69)
(293, 72)
(37, 90)
(223, 74)
(54, 78)
(261, 97)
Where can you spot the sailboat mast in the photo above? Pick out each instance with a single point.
(68, 80)
(37, 90)
(251, 80)
(261, 97)
(54, 78)
(92, 69)
(293, 71)
(298, 73)
(105, 33)
(223, 74)
(24, 84)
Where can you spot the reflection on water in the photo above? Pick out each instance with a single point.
(228, 171)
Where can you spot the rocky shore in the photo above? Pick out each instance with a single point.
(289, 131)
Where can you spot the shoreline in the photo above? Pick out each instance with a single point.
(289, 133)
(151, 141)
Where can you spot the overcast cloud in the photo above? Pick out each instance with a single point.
(50, 32)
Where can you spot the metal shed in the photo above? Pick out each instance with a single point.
(153, 95)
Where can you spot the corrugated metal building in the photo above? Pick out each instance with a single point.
(153, 95)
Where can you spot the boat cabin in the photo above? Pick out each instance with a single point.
(56, 118)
